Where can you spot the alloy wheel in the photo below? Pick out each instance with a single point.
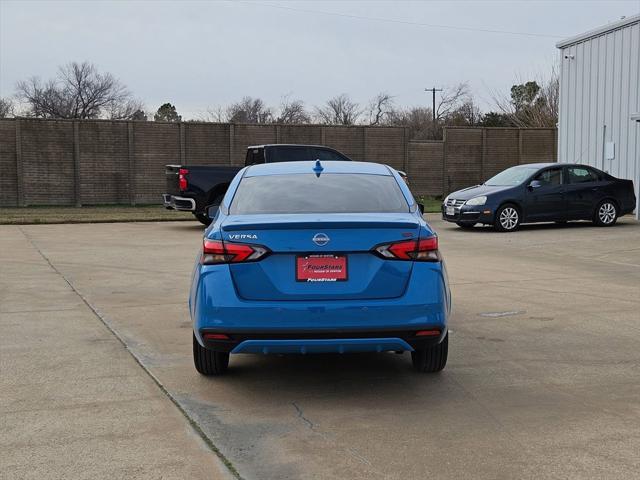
(607, 213)
(509, 218)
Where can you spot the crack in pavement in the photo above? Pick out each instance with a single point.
(301, 415)
(329, 438)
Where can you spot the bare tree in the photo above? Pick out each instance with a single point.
(454, 107)
(6, 108)
(418, 120)
(452, 98)
(214, 114)
(249, 110)
(380, 108)
(292, 111)
(340, 110)
(533, 103)
(78, 91)
(466, 114)
(126, 110)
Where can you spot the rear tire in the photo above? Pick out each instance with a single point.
(507, 218)
(432, 359)
(209, 362)
(606, 214)
(203, 218)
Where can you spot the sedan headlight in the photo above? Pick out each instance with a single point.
(477, 200)
(445, 199)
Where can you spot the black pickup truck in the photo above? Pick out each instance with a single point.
(193, 188)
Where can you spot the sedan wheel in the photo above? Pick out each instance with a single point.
(507, 218)
(209, 362)
(431, 359)
(606, 214)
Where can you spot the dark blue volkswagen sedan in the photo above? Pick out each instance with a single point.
(541, 192)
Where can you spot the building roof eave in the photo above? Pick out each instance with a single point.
(599, 31)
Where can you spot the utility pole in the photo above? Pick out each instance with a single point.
(433, 108)
(433, 91)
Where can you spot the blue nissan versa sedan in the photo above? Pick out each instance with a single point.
(310, 257)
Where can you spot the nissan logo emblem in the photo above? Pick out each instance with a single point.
(320, 239)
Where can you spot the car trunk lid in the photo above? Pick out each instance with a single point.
(345, 240)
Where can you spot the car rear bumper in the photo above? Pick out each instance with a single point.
(178, 203)
(302, 346)
(320, 325)
(330, 341)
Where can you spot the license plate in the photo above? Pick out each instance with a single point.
(321, 268)
(450, 211)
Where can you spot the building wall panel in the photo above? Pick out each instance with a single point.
(599, 90)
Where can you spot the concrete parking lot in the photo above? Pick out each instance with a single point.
(97, 381)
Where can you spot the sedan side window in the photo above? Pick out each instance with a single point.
(322, 154)
(581, 175)
(291, 154)
(550, 177)
(254, 157)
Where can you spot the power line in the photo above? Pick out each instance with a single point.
(401, 22)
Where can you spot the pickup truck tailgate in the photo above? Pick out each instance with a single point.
(171, 174)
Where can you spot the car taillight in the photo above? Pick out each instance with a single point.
(215, 252)
(182, 180)
(423, 250)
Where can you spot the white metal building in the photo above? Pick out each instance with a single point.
(599, 119)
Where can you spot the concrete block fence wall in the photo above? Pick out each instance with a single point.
(93, 162)
(472, 155)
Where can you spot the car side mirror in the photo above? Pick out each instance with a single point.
(212, 211)
(534, 184)
(421, 208)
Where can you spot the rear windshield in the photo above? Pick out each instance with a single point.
(329, 193)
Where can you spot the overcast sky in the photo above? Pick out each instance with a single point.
(199, 54)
